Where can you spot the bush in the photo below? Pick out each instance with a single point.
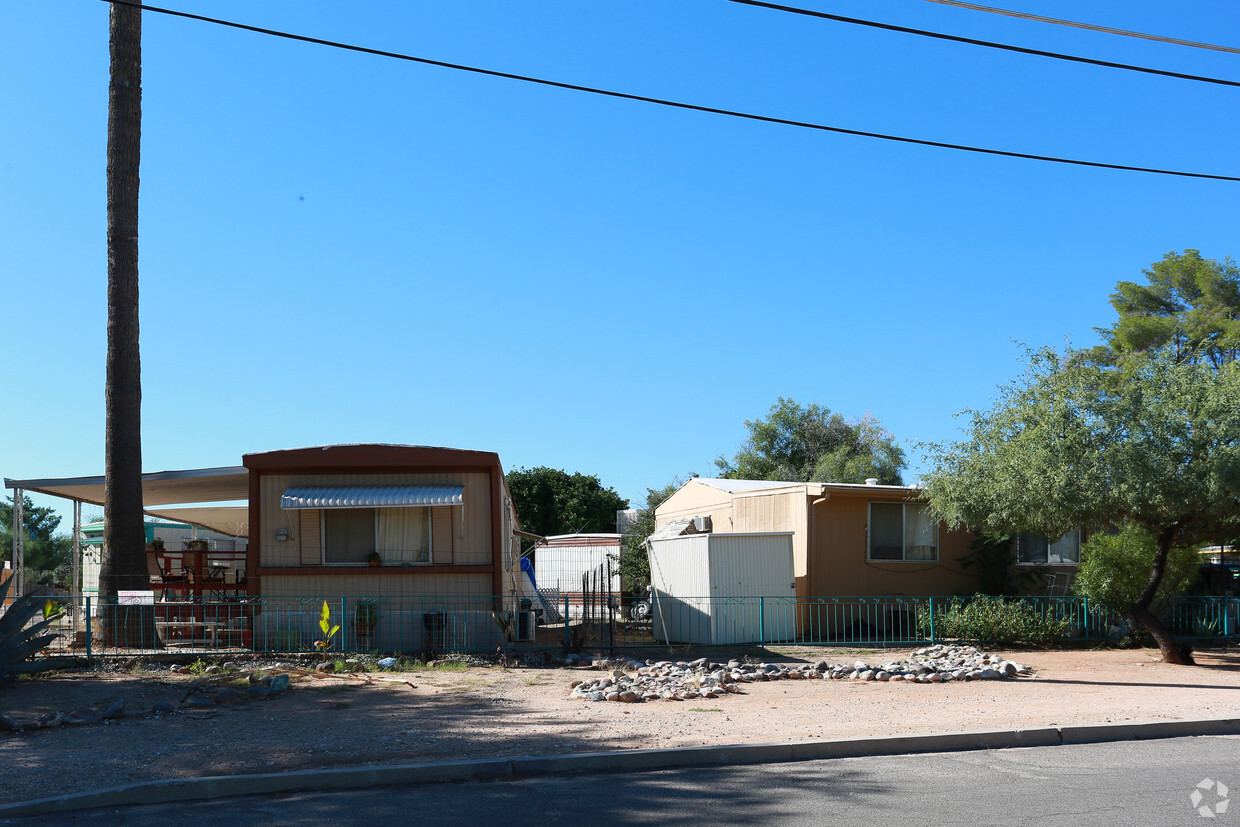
(1115, 568)
(986, 619)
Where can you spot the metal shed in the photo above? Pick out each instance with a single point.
(706, 588)
(561, 561)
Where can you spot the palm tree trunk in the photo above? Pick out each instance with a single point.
(124, 563)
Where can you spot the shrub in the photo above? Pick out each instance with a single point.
(1115, 568)
(986, 619)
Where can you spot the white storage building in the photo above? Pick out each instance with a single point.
(706, 588)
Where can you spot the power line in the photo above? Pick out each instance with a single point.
(1089, 26)
(987, 43)
(675, 104)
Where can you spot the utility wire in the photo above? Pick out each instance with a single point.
(1089, 26)
(674, 104)
(987, 43)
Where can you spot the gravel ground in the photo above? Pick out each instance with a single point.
(488, 711)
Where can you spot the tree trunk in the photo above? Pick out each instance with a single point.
(124, 561)
(1172, 652)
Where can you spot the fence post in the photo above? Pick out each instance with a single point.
(567, 641)
(1085, 610)
(762, 621)
(89, 628)
(1227, 616)
(344, 626)
(932, 620)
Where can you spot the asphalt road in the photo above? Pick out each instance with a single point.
(1124, 783)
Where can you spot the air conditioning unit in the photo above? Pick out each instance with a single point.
(527, 626)
(702, 524)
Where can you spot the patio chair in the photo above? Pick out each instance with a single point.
(163, 579)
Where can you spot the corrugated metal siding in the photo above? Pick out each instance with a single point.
(700, 580)
(562, 567)
(749, 565)
(678, 568)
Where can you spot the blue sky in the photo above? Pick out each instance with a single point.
(337, 247)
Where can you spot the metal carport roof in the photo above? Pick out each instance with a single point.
(196, 486)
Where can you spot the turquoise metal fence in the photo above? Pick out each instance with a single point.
(437, 624)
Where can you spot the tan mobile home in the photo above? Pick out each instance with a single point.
(381, 520)
(847, 540)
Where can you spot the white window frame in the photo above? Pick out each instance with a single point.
(1049, 544)
(904, 558)
(430, 538)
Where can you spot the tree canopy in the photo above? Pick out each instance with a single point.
(550, 501)
(1190, 306)
(1155, 441)
(812, 444)
(634, 561)
(47, 554)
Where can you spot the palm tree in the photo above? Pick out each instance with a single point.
(124, 562)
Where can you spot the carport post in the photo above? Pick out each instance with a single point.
(75, 578)
(19, 545)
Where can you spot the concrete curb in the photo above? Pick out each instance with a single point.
(494, 769)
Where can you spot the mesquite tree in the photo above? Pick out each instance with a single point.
(1155, 440)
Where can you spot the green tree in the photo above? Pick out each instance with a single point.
(812, 444)
(1190, 305)
(47, 554)
(550, 501)
(1115, 568)
(634, 562)
(1155, 441)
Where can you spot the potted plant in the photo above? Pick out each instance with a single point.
(365, 618)
(374, 559)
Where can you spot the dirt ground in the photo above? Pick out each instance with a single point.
(490, 711)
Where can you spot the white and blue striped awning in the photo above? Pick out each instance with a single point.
(371, 496)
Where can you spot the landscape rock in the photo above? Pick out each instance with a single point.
(85, 715)
(115, 710)
(631, 681)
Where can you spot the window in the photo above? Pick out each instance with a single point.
(1037, 549)
(400, 535)
(902, 531)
